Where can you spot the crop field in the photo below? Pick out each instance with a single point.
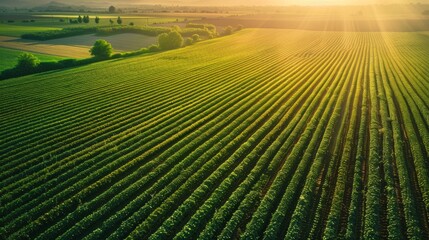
(345, 18)
(8, 58)
(56, 48)
(264, 134)
(124, 41)
(58, 21)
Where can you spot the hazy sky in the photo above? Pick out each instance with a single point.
(275, 2)
(209, 2)
(271, 2)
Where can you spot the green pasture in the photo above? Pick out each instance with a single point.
(14, 30)
(8, 58)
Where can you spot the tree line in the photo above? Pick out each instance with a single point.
(87, 19)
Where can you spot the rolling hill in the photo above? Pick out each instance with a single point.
(265, 133)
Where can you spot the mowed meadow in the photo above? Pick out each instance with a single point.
(266, 133)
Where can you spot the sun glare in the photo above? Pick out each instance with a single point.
(221, 119)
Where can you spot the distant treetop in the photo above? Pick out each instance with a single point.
(112, 9)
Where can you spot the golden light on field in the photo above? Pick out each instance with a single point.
(349, 2)
(334, 15)
(329, 2)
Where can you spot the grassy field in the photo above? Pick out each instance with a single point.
(8, 58)
(265, 133)
(16, 31)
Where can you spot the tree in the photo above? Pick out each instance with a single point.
(101, 49)
(112, 9)
(97, 20)
(111, 21)
(27, 62)
(86, 19)
(171, 40)
(119, 20)
(79, 19)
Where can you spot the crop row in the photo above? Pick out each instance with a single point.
(262, 138)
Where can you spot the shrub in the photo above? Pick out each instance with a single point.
(97, 20)
(8, 73)
(239, 27)
(196, 37)
(86, 61)
(189, 41)
(176, 28)
(48, 66)
(171, 40)
(144, 50)
(153, 48)
(119, 20)
(188, 32)
(228, 30)
(210, 27)
(116, 55)
(101, 49)
(27, 62)
(146, 30)
(68, 62)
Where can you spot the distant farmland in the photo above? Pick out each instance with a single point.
(262, 134)
(17, 31)
(54, 49)
(78, 46)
